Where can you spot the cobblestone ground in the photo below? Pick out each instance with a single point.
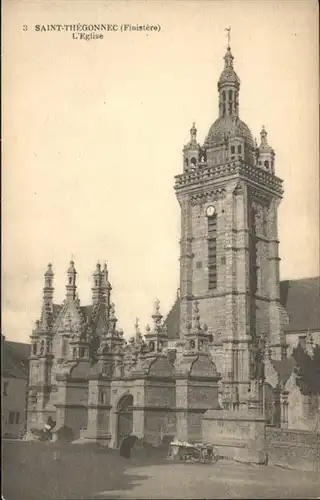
(221, 480)
(47, 471)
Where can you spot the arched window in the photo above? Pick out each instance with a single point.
(151, 346)
(34, 349)
(193, 161)
(70, 280)
(266, 164)
(49, 282)
(223, 109)
(224, 95)
(81, 352)
(187, 162)
(239, 150)
(230, 95)
(96, 282)
(232, 150)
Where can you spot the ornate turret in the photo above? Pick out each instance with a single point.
(265, 153)
(157, 337)
(229, 138)
(228, 87)
(41, 343)
(196, 338)
(114, 337)
(191, 151)
(71, 284)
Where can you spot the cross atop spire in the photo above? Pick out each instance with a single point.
(228, 30)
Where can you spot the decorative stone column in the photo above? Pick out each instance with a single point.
(61, 402)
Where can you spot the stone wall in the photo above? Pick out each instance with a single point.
(157, 425)
(76, 419)
(158, 416)
(292, 448)
(237, 435)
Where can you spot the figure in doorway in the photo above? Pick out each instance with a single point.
(126, 446)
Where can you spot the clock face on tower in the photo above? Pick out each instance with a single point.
(210, 211)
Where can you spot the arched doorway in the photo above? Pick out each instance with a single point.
(124, 417)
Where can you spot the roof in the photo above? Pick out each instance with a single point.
(301, 299)
(15, 359)
(228, 126)
(86, 310)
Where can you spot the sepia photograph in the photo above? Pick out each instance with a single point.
(161, 249)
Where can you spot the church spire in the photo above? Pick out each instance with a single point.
(265, 153)
(228, 85)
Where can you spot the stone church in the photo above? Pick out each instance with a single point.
(228, 332)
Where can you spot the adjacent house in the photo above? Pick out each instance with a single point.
(14, 384)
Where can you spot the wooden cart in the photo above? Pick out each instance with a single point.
(191, 452)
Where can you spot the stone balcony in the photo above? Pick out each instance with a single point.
(204, 174)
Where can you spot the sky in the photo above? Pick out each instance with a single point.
(93, 134)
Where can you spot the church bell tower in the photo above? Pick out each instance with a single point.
(229, 197)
